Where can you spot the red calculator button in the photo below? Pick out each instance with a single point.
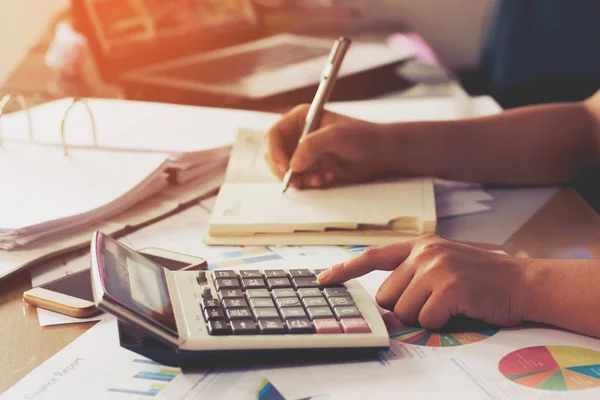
(355, 325)
(327, 325)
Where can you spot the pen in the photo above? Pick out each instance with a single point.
(328, 79)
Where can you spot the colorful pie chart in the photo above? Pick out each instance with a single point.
(553, 367)
(422, 337)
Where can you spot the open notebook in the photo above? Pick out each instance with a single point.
(251, 210)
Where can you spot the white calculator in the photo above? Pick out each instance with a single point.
(233, 313)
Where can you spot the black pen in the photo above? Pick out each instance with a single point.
(328, 79)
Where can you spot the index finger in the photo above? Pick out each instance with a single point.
(283, 138)
(383, 258)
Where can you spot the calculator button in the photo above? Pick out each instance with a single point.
(235, 303)
(243, 327)
(275, 273)
(299, 326)
(278, 283)
(318, 271)
(211, 314)
(238, 313)
(319, 312)
(355, 325)
(253, 283)
(250, 273)
(224, 274)
(305, 283)
(218, 327)
(301, 273)
(227, 283)
(271, 327)
(261, 303)
(327, 325)
(335, 291)
(254, 293)
(279, 293)
(211, 303)
(265, 313)
(309, 292)
(292, 313)
(206, 293)
(341, 301)
(231, 293)
(288, 302)
(314, 302)
(347, 312)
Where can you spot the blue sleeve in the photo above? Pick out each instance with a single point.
(542, 40)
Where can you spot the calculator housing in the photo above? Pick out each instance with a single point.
(176, 331)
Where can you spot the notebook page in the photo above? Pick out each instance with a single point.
(261, 207)
(247, 161)
(39, 184)
(137, 125)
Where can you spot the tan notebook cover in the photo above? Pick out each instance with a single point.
(252, 210)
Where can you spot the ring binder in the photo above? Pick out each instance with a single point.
(23, 103)
(64, 121)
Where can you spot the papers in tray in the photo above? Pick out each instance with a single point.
(251, 209)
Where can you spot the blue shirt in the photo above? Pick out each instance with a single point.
(552, 46)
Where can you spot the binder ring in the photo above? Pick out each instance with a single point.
(64, 121)
(23, 103)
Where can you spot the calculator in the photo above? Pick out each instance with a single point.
(234, 314)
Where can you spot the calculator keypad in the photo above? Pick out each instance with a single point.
(252, 302)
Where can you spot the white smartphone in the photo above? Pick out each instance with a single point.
(72, 295)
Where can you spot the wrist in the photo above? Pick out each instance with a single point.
(536, 285)
(409, 148)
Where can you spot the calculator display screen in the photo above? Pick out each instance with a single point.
(137, 283)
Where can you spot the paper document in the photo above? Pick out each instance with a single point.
(251, 209)
(215, 385)
(455, 202)
(44, 190)
(94, 367)
(49, 318)
(150, 209)
(417, 109)
(510, 209)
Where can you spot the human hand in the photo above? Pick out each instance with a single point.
(434, 279)
(343, 149)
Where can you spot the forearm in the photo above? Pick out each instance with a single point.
(546, 144)
(564, 293)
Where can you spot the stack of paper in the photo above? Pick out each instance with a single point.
(122, 153)
(251, 209)
(45, 192)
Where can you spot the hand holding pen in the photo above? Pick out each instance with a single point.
(328, 79)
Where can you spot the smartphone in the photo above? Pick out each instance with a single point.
(72, 295)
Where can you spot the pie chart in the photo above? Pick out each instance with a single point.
(558, 368)
(423, 337)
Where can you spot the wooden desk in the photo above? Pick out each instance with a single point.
(565, 225)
